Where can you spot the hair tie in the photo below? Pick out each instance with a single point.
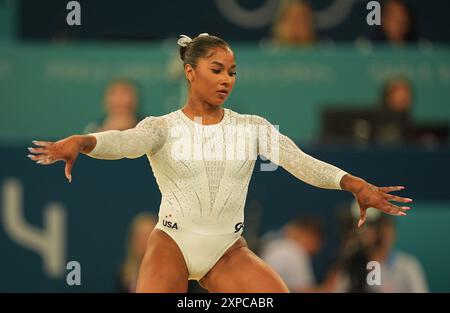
(184, 41)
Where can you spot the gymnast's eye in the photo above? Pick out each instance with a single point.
(215, 71)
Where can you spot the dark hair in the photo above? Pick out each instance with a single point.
(309, 223)
(199, 48)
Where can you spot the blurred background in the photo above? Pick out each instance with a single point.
(373, 100)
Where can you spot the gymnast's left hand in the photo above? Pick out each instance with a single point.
(371, 196)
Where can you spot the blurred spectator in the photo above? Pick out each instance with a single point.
(389, 123)
(290, 253)
(397, 95)
(393, 122)
(294, 24)
(121, 107)
(140, 228)
(397, 24)
(400, 272)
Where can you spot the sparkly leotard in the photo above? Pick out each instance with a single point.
(203, 173)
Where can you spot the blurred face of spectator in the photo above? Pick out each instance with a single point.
(398, 98)
(140, 236)
(296, 25)
(368, 236)
(376, 237)
(309, 239)
(121, 99)
(213, 75)
(395, 21)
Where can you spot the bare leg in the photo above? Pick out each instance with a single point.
(240, 270)
(163, 268)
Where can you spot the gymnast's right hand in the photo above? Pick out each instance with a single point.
(67, 150)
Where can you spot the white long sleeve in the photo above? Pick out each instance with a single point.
(203, 171)
(147, 137)
(289, 156)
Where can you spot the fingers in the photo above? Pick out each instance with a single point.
(68, 170)
(363, 215)
(37, 150)
(392, 188)
(42, 159)
(46, 161)
(37, 157)
(387, 208)
(44, 154)
(392, 209)
(397, 199)
(42, 143)
(40, 155)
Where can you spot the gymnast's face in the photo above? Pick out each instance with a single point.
(212, 80)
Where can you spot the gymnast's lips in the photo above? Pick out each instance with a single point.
(223, 92)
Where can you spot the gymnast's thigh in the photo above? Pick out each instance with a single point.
(163, 268)
(240, 270)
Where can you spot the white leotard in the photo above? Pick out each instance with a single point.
(203, 171)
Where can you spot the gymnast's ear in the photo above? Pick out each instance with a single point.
(189, 72)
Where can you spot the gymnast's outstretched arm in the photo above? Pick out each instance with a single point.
(147, 137)
(283, 151)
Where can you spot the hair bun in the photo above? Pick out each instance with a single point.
(184, 41)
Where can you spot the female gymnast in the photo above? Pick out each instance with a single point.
(202, 161)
